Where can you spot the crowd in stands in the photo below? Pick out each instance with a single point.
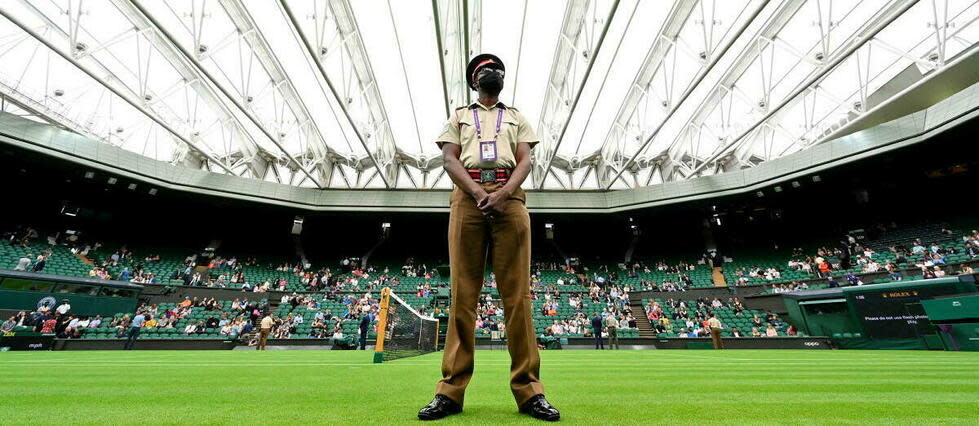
(211, 270)
(23, 238)
(237, 320)
(837, 264)
(229, 272)
(29, 263)
(47, 319)
(691, 318)
(576, 274)
(931, 259)
(323, 322)
(611, 302)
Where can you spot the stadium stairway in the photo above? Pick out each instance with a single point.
(642, 323)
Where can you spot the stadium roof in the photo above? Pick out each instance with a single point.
(350, 94)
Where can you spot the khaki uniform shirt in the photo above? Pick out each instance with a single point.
(267, 322)
(460, 129)
(714, 323)
(610, 322)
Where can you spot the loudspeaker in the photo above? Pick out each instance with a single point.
(297, 225)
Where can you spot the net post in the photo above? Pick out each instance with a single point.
(382, 324)
(437, 324)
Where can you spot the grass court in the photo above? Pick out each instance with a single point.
(589, 387)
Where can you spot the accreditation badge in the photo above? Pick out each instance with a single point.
(487, 151)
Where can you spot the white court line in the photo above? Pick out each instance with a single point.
(746, 366)
(3, 361)
(196, 364)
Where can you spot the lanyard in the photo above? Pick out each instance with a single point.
(479, 130)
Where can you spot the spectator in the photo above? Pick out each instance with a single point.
(833, 283)
(150, 323)
(824, 267)
(771, 331)
(134, 329)
(64, 307)
(892, 272)
(8, 325)
(365, 321)
(596, 325)
(39, 265)
(49, 324)
(23, 263)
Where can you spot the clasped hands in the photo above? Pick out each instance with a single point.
(492, 203)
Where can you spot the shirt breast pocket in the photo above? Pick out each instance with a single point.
(510, 129)
(467, 132)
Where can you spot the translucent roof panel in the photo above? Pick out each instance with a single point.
(352, 94)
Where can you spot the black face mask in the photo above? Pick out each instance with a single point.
(491, 83)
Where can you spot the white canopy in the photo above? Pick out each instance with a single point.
(340, 93)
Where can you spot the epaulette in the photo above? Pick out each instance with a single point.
(462, 107)
(513, 108)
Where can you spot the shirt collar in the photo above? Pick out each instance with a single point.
(476, 104)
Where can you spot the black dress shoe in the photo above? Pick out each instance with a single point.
(441, 406)
(539, 408)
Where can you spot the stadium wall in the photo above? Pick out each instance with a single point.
(815, 342)
(143, 344)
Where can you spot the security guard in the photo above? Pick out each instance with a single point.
(714, 325)
(486, 151)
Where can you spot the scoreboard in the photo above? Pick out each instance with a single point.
(895, 313)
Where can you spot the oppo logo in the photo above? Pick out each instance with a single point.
(811, 343)
(35, 346)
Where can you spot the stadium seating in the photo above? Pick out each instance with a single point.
(105, 331)
(566, 312)
(61, 261)
(336, 308)
(725, 314)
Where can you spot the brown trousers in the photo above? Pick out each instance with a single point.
(263, 338)
(715, 336)
(613, 337)
(508, 235)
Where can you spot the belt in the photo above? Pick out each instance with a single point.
(489, 175)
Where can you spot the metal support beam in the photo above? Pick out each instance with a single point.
(861, 38)
(386, 147)
(638, 90)
(132, 102)
(455, 38)
(249, 150)
(246, 26)
(552, 151)
(714, 59)
(138, 15)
